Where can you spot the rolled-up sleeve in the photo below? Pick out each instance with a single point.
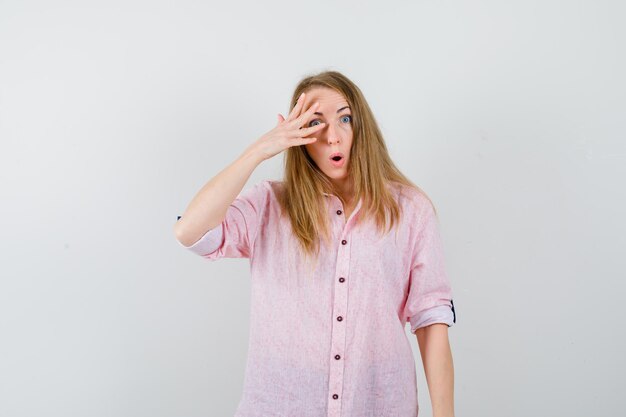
(234, 237)
(208, 243)
(429, 298)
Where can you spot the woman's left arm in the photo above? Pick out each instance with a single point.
(438, 367)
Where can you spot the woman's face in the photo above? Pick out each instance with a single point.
(335, 137)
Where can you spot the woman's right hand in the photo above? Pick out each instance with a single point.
(288, 132)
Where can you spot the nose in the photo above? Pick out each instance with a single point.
(331, 134)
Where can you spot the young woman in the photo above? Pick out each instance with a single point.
(343, 253)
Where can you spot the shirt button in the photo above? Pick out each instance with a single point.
(337, 357)
(335, 396)
(343, 242)
(339, 212)
(339, 318)
(342, 279)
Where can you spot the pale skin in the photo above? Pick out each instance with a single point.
(209, 206)
(335, 135)
(438, 367)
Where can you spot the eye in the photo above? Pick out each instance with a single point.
(312, 121)
(347, 116)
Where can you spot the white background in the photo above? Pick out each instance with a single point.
(509, 114)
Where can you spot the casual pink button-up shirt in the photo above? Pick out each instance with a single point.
(331, 342)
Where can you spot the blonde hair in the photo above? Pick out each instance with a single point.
(370, 167)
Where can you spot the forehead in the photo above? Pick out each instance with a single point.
(327, 97)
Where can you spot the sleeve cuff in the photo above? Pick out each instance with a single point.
(208, 243)
(438, 314)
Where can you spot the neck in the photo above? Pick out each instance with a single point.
(345, 189)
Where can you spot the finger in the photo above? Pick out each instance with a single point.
(304, 116)
(295, 112)
(308, 140)
(297, 109)
(280, 118)
(302, 141)
(306, 131)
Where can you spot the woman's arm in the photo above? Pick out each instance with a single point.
(208, 208)
(438, 367)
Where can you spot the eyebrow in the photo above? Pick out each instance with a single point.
(321, 114)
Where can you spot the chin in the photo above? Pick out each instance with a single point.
(337, 175)
(334, 173)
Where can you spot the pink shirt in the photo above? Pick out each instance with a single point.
(332, 342)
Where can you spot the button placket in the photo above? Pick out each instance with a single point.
(338, 333)
(340, 318)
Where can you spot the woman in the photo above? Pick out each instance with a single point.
(343, 253)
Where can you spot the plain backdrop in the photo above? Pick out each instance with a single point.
(509, 114)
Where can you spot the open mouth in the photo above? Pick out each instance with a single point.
(337, 156)
(337, 159)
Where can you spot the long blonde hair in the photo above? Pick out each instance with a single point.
(370, 167)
